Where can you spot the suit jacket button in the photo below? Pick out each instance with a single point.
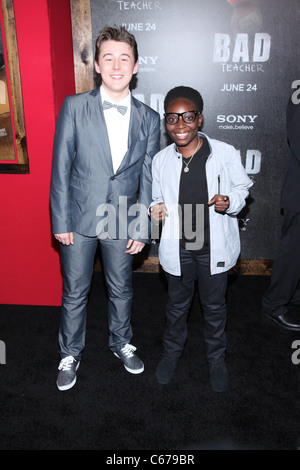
(112, 177)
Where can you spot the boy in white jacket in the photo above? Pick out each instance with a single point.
(199, 187)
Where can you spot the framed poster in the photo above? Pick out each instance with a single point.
(13, 147)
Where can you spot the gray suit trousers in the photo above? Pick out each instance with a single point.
(77, 262)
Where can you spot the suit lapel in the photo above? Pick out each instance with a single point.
(135, 123)
(98, 120)
(134, 128)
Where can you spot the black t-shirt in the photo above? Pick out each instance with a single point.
(193, 198)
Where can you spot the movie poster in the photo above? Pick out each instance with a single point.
(243, 57)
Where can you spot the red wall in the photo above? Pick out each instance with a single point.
(29, 257)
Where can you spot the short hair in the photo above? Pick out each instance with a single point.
(116, 34)
(184, 92)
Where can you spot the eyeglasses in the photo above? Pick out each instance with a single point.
(188, 117)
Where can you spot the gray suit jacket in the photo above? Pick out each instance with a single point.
(85, 192)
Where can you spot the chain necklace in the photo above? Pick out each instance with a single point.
(186, 169)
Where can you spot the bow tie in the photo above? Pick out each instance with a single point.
(121, 109)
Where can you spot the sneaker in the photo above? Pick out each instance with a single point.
(219, 377)
(165, 370)
(131, 361)
(67, 373)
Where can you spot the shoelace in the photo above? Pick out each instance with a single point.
(128, 350)
(66, 362)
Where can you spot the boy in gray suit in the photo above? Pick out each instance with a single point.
(104, 143)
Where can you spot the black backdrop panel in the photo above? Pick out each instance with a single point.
(243, 56)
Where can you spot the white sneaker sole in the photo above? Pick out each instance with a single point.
(62, 388)
(134, 371)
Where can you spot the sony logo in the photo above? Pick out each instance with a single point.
(236, 118)
(148, 60)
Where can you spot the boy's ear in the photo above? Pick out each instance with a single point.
(97, 68)
(135, 68)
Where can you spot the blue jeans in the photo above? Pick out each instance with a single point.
(77, 262)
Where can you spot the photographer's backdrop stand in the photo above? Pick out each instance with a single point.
(243, 56)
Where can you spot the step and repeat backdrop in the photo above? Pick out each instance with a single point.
(243, 57)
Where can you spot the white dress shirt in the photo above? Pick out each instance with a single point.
(117, 127)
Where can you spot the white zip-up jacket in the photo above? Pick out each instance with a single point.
(225, 175)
